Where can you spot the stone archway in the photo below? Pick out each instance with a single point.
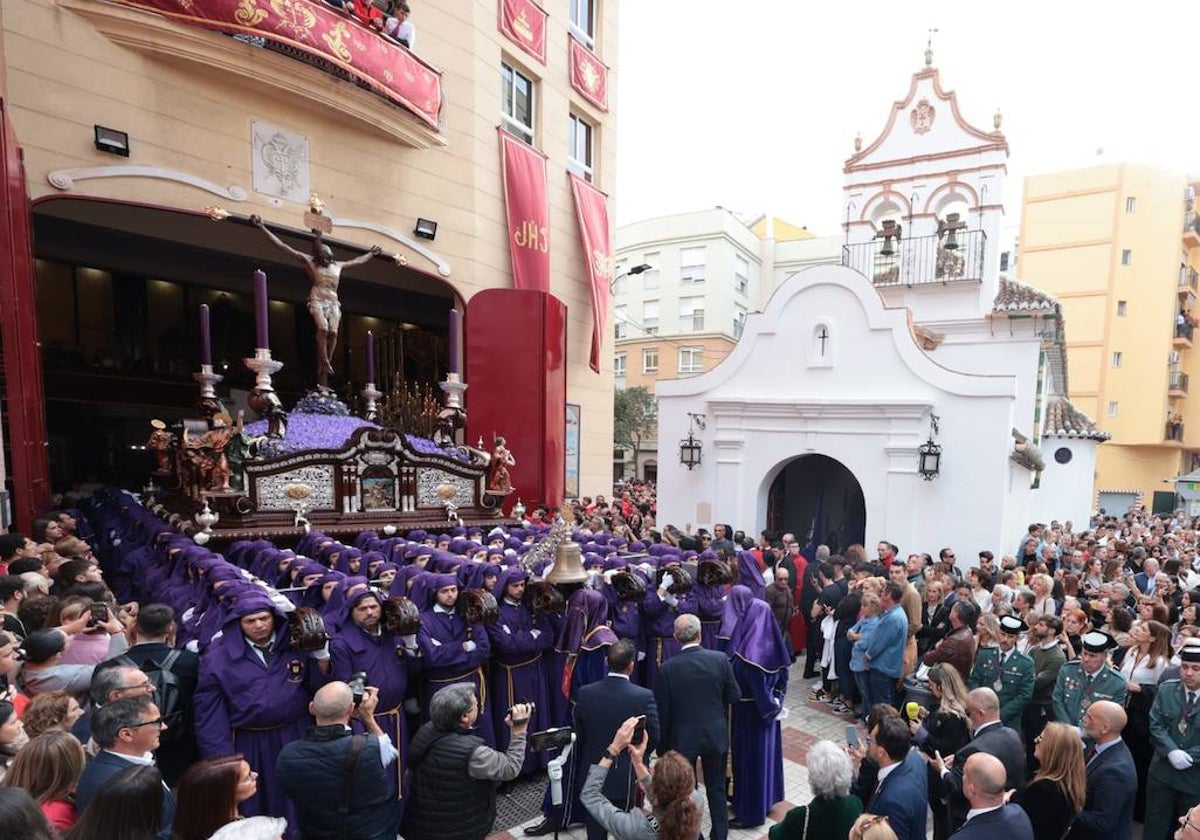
(819, 495)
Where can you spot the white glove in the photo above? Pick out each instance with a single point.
(641, 655)
(668, 581)
(410, 641)
(535, 633)
(670, 600)
(608, 576)
(504, 627)
(468, 646)
(783, 714)
(322, 654)
(1179, 759)
(769, 576)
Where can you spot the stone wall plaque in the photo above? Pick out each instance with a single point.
(280, 162)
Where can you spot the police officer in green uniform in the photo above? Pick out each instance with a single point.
(1006, 671)
(1173, 785)
(1082, 682)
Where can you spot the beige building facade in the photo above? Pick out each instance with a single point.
(242, 126)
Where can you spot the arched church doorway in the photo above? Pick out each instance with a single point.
(817, 496)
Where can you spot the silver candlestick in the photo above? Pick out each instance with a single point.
(207, 380)
(453, 388)
(263, 398)
(370, 395)
(263, 367)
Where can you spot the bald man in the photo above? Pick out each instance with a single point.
(984, 779)
(1108, 811)
(312, 771)
(988, 735)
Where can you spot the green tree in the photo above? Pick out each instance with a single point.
(635, 419)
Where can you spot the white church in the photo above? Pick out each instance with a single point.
(912, 394)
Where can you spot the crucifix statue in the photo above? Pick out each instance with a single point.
(325, 273)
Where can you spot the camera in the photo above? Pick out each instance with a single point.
(639, 731)
(99, 613)
(358, 686)
(512, 715)
(551, 739)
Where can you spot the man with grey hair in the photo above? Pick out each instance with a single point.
(337, 780)
(453, 770)
(693, 693)
(984, 785)
(252, 828)
(118, 683)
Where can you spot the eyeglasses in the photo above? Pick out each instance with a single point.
(159, 722)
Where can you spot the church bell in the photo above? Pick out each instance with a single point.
(568, 564)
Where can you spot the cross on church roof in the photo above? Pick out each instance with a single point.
(929, 49)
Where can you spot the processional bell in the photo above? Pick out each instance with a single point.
(890, 231)
(950, 228)
(568, 565)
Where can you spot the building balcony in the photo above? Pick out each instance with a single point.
(1177, 385)
(1183, 336)
(1173, 434)
(1187, 284)
(354, 70)
(1191, 229)
(920, 260)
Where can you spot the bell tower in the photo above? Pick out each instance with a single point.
(924, 203)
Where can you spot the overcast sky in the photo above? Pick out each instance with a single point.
(754, 105)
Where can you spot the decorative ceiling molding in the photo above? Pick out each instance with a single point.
(64, 179)
(443, 267)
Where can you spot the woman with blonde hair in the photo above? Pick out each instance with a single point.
(872, 827)
(1148, 656)
(49, 767)
(944, 730)
(1059, 789)
(52, 710)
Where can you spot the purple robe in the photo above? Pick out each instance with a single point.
(710, 607)
(660, 629)
(445, 662)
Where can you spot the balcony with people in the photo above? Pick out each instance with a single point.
(1185, 326)
(366, 43)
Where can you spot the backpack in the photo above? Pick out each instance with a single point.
(169, 693)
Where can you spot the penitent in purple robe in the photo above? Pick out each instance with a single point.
(445, 662)
(243, 706)
(660, 618)
(518, 641)
(760, 666)
(710, 608)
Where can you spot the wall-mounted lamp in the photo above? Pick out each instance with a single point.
(929, 454)
(426, 228)
(112, 141)
(690, 448)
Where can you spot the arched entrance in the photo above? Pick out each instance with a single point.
(817, 495)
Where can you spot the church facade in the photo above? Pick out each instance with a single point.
(902, 395)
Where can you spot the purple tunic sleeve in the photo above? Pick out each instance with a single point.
(213, 731)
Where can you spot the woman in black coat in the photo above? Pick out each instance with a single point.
(944, 730)
(1059, 789)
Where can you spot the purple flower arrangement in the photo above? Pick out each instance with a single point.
(316, 402)
(308, 430)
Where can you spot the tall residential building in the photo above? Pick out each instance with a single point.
(683, 313)
(1119, 246)
(140, 138)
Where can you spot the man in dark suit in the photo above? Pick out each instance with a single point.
(153, 643)
(989, 817)
(902, 792)
(693, 692)
(602, 707)
(991, 737)
(128, 733)
(1108, 811)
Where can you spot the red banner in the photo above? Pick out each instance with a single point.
(589, 75)
(591, 206)
(322, 31)
(524, 23)
(524, 171)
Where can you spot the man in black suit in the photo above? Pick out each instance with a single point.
(153, 644)
(989, 817)
(693, 692)
(602, 708)
(1108, 811)
(990, 736)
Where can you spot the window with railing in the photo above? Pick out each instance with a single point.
(691, 359)
(650, 317)
(741, 275)
(691, 265)
(651, 279)
(619, 365)
(691, 314)
(739, 322)
(516, 102)
(649, 360)
(620, 322)
(1177, 380)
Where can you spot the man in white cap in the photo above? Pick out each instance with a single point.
(1006, 671)
(1082, 682)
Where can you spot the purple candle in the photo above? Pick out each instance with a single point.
(205, 337)
(370, 356)
(455, 341)
(261, 332)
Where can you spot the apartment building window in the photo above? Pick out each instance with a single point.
(649, 360)
(691, 314)
(1113, 408)
(621, 321)
(1121, 308)
(691, 359)
(739, 322)
(583, 21)
(1116, 358)
(1004, 260)
(1127, 257)
(741, 275)
(516, 102)
(650, 277)
(691, 265)
(579, 146)
(619, 365)
(650, 317)
(1130, 204)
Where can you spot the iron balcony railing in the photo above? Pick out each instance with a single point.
(919, 260)
(1188, 279)
(1174, 431)
(1184, 330)
(1177, 381)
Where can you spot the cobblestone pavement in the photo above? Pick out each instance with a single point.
(807, 723)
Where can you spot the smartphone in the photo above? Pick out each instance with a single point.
(99, 613)
(852, 736)
(639, 731)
